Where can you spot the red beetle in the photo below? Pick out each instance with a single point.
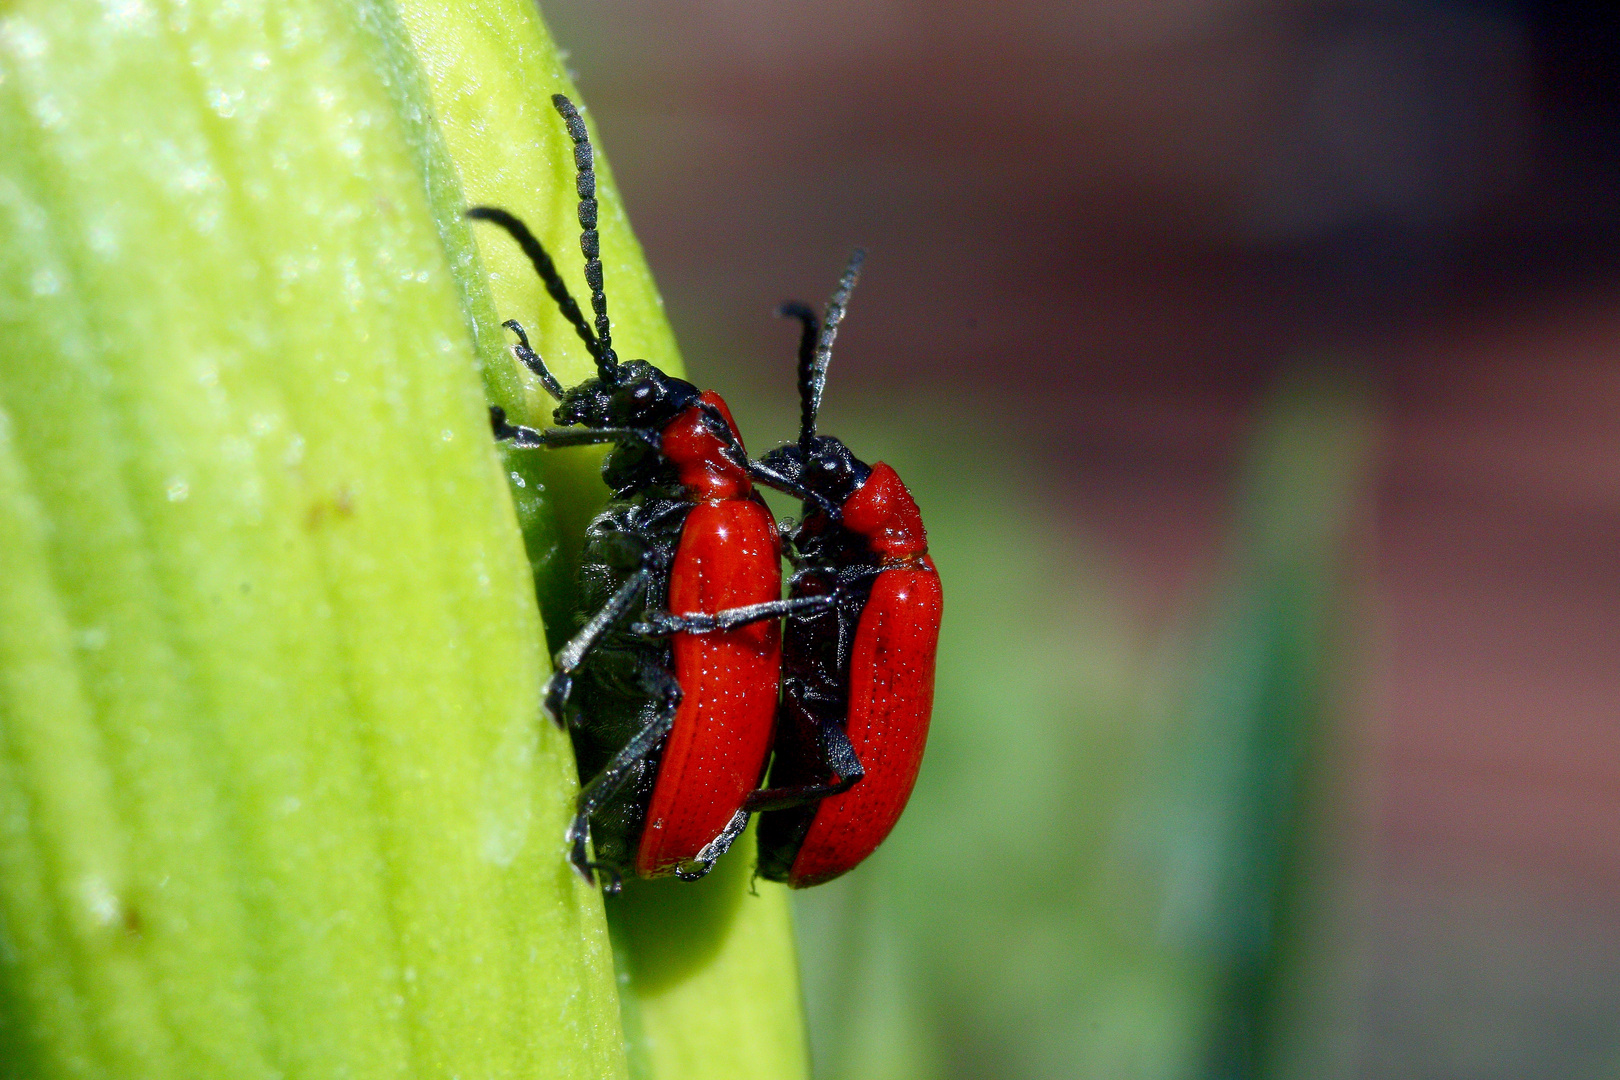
(670, 684)
(858, 677)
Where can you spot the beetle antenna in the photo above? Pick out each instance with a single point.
(544, 267)
(810, 328)
(590, 242)
(815, 379)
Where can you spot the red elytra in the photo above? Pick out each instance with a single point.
(729, 556)
(891, 684)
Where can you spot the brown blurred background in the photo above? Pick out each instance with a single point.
(1106, 229)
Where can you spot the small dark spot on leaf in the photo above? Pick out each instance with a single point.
(340, 504)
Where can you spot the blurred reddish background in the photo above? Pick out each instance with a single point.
(1110, 224)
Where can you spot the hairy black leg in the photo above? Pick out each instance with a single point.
(528, 438)
(605, 784)
(850, 611)
(779, 481)
(587, 436)
(773, 478)
(518, 435)
(715, 421)
(661, 623)
(704, 860)
(837, 755)
(568, 659)
(532, 361)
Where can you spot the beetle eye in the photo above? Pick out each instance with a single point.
(639, 400)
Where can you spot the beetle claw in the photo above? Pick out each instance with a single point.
(578, 830)
(554, 698)
(612, 880)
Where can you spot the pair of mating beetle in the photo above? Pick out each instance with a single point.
(670, 686)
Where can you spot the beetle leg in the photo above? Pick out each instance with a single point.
(613, 877)
(837, 753)
(520, 436)
(588, 436)
(666, 517)
(788, 528)
(526, 438)
(605, 784)
(775, 478)
(704, 860)
(850, 609)
(531, 359)
(660, 623)
(570, 656)
(779, 481)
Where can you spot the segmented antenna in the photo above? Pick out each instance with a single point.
(813, 376)
(589, 240)
(545, 268)
(809, 328)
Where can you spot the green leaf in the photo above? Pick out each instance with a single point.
(1252, 805)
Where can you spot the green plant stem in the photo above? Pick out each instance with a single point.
(277, 797)
(709, 975)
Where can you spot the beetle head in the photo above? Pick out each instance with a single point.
(639, 396)
(830, 470)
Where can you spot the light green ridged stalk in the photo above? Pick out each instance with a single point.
(275, 795)
(708, 979)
